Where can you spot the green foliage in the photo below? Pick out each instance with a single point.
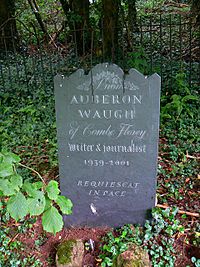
(138, 60)
(149, 7)
(156, 237)
(180, 103)
(36, 203)
(24, 197)
(11, 250)
(52, 190)
(27, 24)
(52, 220)
(117, 242)
(40, 241)
(30, 123)
(195, 261)
(64, 204)
(17, 206)
(181, 85)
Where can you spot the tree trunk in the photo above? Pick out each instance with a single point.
(110, 28)
(195, 9)
(36, 12)
(8, 29)
(132, 16)
(132, 22)
(80, 9)
(65, 7)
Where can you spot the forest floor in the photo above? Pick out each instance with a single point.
(172, 238)
(174, 190)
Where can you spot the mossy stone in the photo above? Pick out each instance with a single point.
(70, 253)
(135, 256)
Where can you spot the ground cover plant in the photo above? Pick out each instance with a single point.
(172, 238)
(28, 131)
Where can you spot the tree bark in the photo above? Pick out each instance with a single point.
(132, 16)
(110, 14)
(35, 10)
(80, 9)
(8, 29)
(195, 9)
(65, 7)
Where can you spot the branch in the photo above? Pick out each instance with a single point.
(35, 11)
(179, 211)
(191, 157)
(65, 7)
(29, 168)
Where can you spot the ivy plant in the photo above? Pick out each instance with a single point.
(156, 237)
(115, 243)
(23, 197)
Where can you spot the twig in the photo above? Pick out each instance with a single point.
(29, 168)
(179, 211)
(57, 33)
(191, 157)
(12, 239)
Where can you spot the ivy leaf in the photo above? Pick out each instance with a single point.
(64, 204)
(17, 206)
(52, 190)
(36, 204)
(6, 169)
(52, 221)
(7, 188)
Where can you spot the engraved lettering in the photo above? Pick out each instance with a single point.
(128, 130)
(90, 131)
(107, 114)
(80, 147)
(107, 132)
(106, 99)
(74, 100)
(74, 127)
(84, 113)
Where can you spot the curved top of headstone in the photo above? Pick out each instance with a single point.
(106, 76)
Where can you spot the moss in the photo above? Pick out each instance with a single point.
(135, 256)
(64, 251)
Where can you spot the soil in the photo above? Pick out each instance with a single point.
(43, 245)
(46, 252)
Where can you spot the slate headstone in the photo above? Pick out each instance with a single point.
(107, 131)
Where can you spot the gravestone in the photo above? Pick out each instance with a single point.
(107, 131)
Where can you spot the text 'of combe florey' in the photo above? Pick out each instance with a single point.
(113, 132)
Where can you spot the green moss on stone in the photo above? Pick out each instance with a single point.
(64, 251)
(135, 256)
